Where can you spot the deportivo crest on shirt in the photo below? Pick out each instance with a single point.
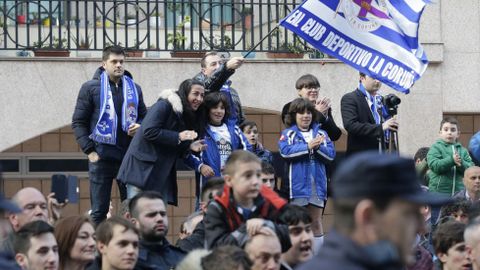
(364, 15)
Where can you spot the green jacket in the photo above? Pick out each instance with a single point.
(444, 176)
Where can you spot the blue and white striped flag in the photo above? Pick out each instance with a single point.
(376, 37)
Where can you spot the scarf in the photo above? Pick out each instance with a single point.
(373, 103)
(376, 103)
(105, 130)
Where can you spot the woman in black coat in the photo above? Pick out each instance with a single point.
(167, 133)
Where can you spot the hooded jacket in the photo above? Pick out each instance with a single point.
(150, 162)
(444, 176)
(87, 111)
(294, 149)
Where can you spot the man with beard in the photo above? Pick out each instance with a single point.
(471, 181)
(150, 217)
(301, 235)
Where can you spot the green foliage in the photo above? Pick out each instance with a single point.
(178, 39)
(294, 47)
(56, 44)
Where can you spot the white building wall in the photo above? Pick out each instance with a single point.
(39, 94)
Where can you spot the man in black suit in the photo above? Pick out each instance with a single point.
(362, 117)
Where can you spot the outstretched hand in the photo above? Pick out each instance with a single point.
(235, 62)
(198, 146)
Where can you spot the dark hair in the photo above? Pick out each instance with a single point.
(451, 208)
(247, 123)
(449, 119)
(239, 156)
(267, 168)
(421, 153)
(104, 231)
(474, 211)
(299, 105)
(21, 242)
(193, 119)
(114, 49)
(124, 207)
(149, 194)
(447, 235)
(66, 232)
(212, 99)
(212, 183)
(307, 80)
(293, 214)
(226, 258)
(203, 62)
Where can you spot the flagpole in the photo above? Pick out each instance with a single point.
(254, 47)
(338, 7)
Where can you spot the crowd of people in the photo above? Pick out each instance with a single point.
(390, 212)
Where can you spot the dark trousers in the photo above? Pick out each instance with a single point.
(101, 176)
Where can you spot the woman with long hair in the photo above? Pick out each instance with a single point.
(168, 131)
(76, 242)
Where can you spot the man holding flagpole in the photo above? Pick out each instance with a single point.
(362, 117)
(107, 114)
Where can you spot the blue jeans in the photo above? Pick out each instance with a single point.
(101, 174)
(132, 191)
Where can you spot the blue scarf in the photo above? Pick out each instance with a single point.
(106, 129)
(376, 102)
(373, 101)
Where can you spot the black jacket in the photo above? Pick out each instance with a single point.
(340, 252)
(194, 241)
(150, 162)
(86, 114)
(7, 261)
(225, 226)
(158, 256)
(215, 82)
(328, 123)
(363, 133)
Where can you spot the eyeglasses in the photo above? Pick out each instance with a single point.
(312, 88)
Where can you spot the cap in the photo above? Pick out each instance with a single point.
(373, 175)
(8, 205)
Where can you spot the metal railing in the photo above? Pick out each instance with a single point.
(146, 25)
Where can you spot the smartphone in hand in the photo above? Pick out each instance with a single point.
(65, 187)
